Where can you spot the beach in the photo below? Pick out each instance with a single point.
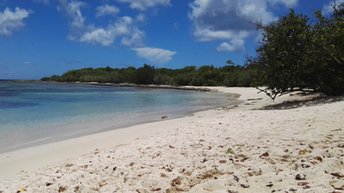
(259, 145)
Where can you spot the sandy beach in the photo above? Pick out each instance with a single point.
(256, 146)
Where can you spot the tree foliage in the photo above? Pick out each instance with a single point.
(296, 54)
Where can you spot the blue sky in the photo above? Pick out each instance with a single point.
(45, 37)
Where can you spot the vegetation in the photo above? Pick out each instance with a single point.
(190, 75)
(295, 54)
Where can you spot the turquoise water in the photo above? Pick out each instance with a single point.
(32, 113)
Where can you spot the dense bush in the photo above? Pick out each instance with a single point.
(296, 54)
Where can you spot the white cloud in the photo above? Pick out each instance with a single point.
(106, 10)
(229, 20)
(232, 46)
(135, 38)
(328, 8)
(123, 27)
(73, 10)
(12, 20)
(155, 55)
(143, 5)
(99, 36)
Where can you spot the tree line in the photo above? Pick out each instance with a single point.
(207, 75)
(296, 53)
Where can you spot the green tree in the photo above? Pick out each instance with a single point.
(145, 74)
(284, 52)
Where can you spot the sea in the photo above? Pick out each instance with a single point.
(34, 113)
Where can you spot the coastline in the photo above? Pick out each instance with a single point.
(57, 151)
(94, 125)
(166, 155)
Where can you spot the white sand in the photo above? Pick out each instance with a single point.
(232, 149)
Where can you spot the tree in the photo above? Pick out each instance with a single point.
(328, 51)
(145, 75)
(283, 53)
(296, 55)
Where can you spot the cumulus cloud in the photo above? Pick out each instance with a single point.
(123, 27)
(12, 20)
(229, 20)
(106, 10)
(328, 8)
(143, 5)
(99, 36)
(232, 46)
(155, 55)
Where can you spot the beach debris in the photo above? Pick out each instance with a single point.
(230, 151)
(114, 169)
(204, 160)
(300, 177)
(222, 161)
(245, 185)
(270, 184)
(337, 184)
(337, 175)
(266, 154)
(164, 117)
(76, 188)
(21, 190)
(318, 158)
(176, 182)
(236, 178)
(48, 184)
(102, 183)
(62, 188)
(163, 175)
(155, 189)
(304, 151)
(302, 183)
(170, 146)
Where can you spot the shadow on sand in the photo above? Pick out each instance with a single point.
(310, 101)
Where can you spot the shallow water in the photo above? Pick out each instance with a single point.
(33, 113)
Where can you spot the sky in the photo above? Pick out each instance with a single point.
(45, 37)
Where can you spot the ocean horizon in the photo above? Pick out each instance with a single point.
(34, 112)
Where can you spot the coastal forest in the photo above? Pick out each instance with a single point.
(296, 53)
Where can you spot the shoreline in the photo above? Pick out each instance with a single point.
(229, 149)
(18, 156)
(153, 86)
(104, 125)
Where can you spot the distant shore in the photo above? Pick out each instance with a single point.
(236, 148)
(195, 88)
